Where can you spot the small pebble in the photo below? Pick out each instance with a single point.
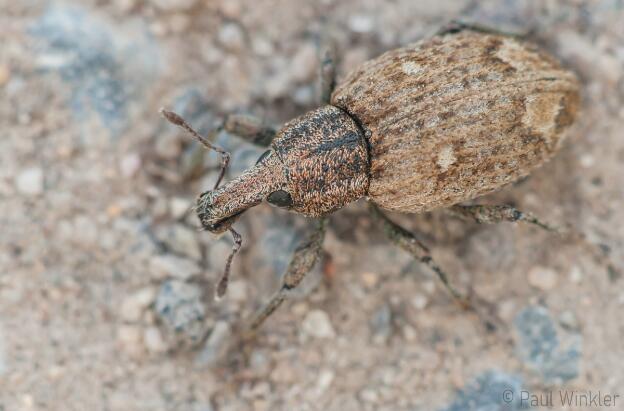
(262, 46)
(369, 395)
(568, 320)
(576, 275)
(304, 63)
(130, 164)
(360, 23)
(370, 280)
(304, 95)
(125, 6)
(179, 22)
(237, 291)
(135, 304)
(542, 278)
(283, 373)
(429, 287)
(153, 339)
(130, 338)
(324, 381)
(182, 239)
(231, 36)
(259, 362)
(231, 9)
(30, 181)
(419, 301)
(178, 206)
(169, 265)
(318, 325)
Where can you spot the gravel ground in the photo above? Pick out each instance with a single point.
(106, 284)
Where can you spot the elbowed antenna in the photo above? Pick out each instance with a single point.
(220, 208)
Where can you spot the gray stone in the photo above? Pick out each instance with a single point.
(539, 346)
(180, 308)
(491, 391)
(105, 67)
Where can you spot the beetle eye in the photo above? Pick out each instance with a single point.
(280, 198)
(263, 156)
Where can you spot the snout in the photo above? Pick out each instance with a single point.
(219, 209)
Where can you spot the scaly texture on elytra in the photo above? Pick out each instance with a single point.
(457, 116)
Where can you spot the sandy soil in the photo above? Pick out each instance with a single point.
(106, 285)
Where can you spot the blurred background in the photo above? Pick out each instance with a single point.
(106, 283)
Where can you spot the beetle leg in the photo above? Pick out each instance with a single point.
(491, 214)
(327, 73)
(303, 260)
(458, 25)
(249, 128)
(408, 242)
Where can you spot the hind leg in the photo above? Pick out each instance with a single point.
(491, 214)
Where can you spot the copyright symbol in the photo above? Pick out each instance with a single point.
(508, 396)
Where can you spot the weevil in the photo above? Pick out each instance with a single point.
(426, 126)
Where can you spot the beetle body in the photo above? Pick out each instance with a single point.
(420, 127)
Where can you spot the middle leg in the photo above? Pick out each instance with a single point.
(301, 263)
(408, 242)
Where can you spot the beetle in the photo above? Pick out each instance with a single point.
(426, 126)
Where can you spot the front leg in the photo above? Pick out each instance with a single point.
(302, 262)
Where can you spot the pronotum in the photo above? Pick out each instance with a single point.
(421, 127)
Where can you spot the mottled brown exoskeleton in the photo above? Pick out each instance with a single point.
(421, 127)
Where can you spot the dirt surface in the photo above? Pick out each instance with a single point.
(106, 284)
